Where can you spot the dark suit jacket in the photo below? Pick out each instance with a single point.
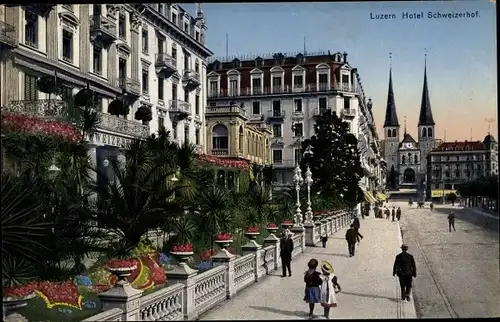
(451, 218)
(286, 248)
(398, 212)
(356, 223)
(351, 236)
(404, 265)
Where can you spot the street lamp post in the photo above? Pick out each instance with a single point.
(309, 181)
(297, 179)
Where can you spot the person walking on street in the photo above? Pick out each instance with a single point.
(451, 221)
(313, 281)
(286, 248)
(352, 237)
(406, 269)
(431, 206)
(398, 213)
(324, 239)
(393, 213)
(357, 225)
(387, 213)
(328, 299)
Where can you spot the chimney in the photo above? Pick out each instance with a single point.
(345, 57)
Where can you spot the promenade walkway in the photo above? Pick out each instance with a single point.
(368, 288)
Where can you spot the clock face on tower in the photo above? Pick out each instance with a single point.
(408, 145)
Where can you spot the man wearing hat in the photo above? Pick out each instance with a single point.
(286, 249)
(406, 269)
(352, 237)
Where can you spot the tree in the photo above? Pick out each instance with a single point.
(451, 197)
(335, 164)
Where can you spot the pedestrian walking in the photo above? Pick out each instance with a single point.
(352, 237)
(398, 213)
(324, 239)
(431, 206)
(313, 281)
(406, 270)
(393, 213)
(328, 299)
(451, 221)
(387, 213)
(357, 225)
(286, 248)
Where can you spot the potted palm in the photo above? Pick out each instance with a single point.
(144, 114)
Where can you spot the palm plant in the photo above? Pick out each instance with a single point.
(259, 200)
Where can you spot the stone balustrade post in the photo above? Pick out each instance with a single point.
(334, 223)
(324, 227)
(225, 258)
(272, 240)
(309, 234)
(122, 296)
(317, 237)
(301, 231)
(185, 275)
(329, 225)
(251, 247)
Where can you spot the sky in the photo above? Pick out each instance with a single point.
(461, 52)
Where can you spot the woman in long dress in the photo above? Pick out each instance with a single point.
(312, 279)
(328, 299)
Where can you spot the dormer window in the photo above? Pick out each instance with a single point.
(236, 63)
(299, 59)
(258, 62)
(278, 59)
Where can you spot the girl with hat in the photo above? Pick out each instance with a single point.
(313, 280)
(328, 299)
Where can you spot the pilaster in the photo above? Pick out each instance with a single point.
(272, 240)
(112, 73)
(52, 36)
(84, 47)
(135, 25)
(183, 274)
(300, 230)
(309, 234)
(122, 296)
(251, 247)
(225, 258)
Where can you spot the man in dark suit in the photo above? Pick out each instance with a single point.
(352, 237)
(357, 225)
(286, 249)
(405, 268)
(451, 221)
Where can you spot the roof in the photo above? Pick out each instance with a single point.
(407, 138)
(460, 146)
(425, 117)
(391, 117)
(489, 139)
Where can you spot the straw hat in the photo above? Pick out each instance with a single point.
(327, 267)
(404, 247)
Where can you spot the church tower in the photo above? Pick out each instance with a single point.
(391, 128)
(426, 125)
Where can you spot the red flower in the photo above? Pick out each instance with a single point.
(121, 263)
(65, 293)
(186, 248)
(287, 222)
(272, 226)
(253, 229)
(207, 253)
(19, 291)
(224, 236)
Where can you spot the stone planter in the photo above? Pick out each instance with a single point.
(122, 273)
(272, 230)
(223, 244)
(252, 236)
(182, 257)
(287, 225)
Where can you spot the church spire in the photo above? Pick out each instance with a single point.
(405, 126)
(425, 117)
(391, 118)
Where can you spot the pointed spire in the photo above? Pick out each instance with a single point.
(391, 117)
(425, 117)
(405, 126)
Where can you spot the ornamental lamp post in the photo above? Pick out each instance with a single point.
(297, 179)
(309, 181)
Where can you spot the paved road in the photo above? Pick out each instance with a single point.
(458, 272)
(369, 291)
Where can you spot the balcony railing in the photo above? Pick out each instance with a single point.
(277, 114)
(287, 89)
(130, 86)
(103, 29)
(8, 34)
(220, 152)
(284, 163)
(191, 75)
(165, 62)
(319, 111)
(348, 112)
(46, 108)
(178, 106)
(121, 125)
(224, 110)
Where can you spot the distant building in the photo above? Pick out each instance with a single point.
(406, 157)
(454, 163)
(287, 92)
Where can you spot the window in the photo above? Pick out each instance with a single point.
(297, 156)
(30, 29)
(256, 85)
(186, 62)
(277, 108)
(213, 88)
(174, 130)
(30, 88)
(277, 130)
(161, 8)
(197, 105)
(436, 186)
(298, 129)
(347, 103)
(323, 79)
(122, 71)
(256, 108)
(97, 60)
(160, 89)
(122, 32)
(161, 122)
(197, 35)
(174, 53)
(186, 27)
(197, 66)
(186, 96)
(322, 104)
(298, 105)
(197, 136)
(186, 134)
(145, 40)
(345, 79)
(97, 9)
(145, 81)
(298, 81)
(174, 18)
(233, 87)
(220, 138)
(67, 46)
(277, 81)
(277, 156)
(66, 92)
(174, 91)
(161, 46)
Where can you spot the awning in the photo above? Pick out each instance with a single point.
(369, 197)
(381, 196)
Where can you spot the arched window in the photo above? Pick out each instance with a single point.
(220, 138)
(410, 160)
(389, 132)
(393, 133)
(416, 159)
(240, 140)
(424, 132)
(403, 159)
(429, 132)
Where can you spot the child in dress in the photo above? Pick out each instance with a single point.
(313, 280)
(328, 299)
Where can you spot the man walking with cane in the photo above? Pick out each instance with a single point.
(406, 270)
(286, 249)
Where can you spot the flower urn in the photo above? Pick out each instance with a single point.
(182, 252)
(252, 232)
(223, 240)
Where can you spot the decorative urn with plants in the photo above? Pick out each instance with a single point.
(121, 268)
(223, 240)
(272, 228)
(118, 107)
(287, 223)
(182, 252)
(144, 114)
(252, 232)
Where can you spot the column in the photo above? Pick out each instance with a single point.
(52, 36)
(84, 38)
(112, 73)
(135, 25)
(11, 92)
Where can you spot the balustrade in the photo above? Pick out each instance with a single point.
(210, 289)
(164, 305)
(244, 271)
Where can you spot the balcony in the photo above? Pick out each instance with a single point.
(284, 163)
(103, 30)
(280, 90)
(297, 115)
(276, 115)
(190, 79)
(165, 65)
(130, 87)
(225, 110)
(344, 88)
(44, 108)
(123, 126)
(348, 112)
(220, 152)
(319, 111)
(42, 10)
(8, 36)
(179, 108)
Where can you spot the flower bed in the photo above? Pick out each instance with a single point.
(224, 162)
(19, 291)
(59, 294)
